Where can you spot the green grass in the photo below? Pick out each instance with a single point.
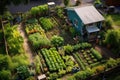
(116, 19)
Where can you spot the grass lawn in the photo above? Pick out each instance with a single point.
(116, 19)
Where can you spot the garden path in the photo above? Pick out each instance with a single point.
(26, 45)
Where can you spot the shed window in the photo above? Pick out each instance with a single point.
(75, 22)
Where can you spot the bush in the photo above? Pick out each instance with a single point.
(96, 54)
(34, 10)
(23, 72)
(68, 48)
(109, 22)
(42, 10)
(57, 41)
(5, 75)
(113, 39)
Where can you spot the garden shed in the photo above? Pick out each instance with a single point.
(86, 19)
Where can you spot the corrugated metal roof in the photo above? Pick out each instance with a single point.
(88, 14)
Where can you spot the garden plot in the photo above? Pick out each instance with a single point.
(52, 61)
(88, 58)
(47, 23)
(37, 35)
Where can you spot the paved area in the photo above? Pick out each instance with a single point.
(23, 8)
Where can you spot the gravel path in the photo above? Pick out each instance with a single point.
(26, 45)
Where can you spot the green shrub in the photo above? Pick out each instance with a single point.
(41, 10)
(109, 22)
(23, 72)
(57, 40)
(68, 48)
(96, 54)
(113, 39)
(82, 46)
(14, 39)
(34, 10)
(5, 75)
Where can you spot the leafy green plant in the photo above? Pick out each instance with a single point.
(53, 59)
(14, 40)
(61, 73)
(68, 48)
(46, 23)
(37, 64)
(41, 10)
(82, 46)
(53, 76)
(111, 63)
(57, 41)
(96, 54)
(23, 72)
(79, 60)
(59, 11)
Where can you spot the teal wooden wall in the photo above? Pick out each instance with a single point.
(72, 16)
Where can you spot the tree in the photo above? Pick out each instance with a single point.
(78, 2)
(4, 3)
(23, 72)
(5, 75)
(113, 39)
(66, 2)
(57, 40)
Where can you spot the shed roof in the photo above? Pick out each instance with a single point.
(88, 14)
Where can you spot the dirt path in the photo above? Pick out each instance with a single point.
(104, 51)
(26, 45)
